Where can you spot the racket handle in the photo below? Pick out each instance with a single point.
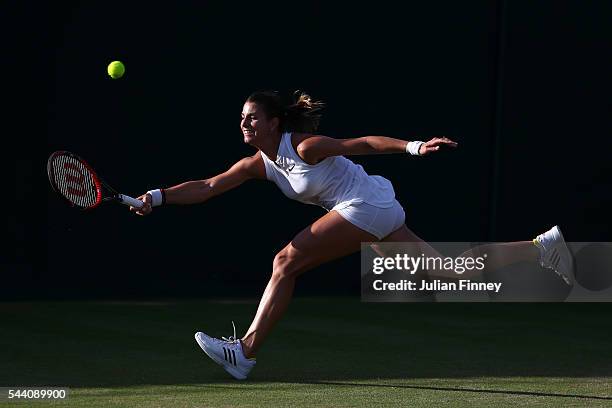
(127, 200)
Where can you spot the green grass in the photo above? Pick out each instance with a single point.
(325, 352)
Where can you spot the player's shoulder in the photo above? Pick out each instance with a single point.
(254, 166)
(309, 146)
(298, 138)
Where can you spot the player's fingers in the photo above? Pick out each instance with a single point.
(435, 141)
(146, 209)
(428, 149)
(442, 141)
(148, 204)
(142, 210)
(145, 198)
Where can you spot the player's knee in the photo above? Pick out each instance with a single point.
(284, 266)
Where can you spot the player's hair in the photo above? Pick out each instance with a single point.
(302, 114)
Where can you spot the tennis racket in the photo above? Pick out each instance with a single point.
(77, 182)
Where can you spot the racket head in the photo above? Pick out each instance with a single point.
(74, 180)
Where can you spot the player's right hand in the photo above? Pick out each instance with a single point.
(146, 208)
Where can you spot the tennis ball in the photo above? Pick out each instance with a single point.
(116, 69)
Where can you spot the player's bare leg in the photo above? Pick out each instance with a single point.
(499, 255)
(329, 238)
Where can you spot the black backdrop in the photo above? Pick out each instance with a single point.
(522, 86)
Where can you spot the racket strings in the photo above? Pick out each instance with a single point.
(75, 181)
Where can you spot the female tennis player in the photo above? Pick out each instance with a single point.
(360, 208)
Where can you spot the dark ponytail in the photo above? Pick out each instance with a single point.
(301, 115)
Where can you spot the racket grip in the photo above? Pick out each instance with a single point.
(127, 200)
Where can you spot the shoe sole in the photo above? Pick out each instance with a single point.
(231, 370)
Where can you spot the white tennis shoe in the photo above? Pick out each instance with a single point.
(227, 352)
(555, 255)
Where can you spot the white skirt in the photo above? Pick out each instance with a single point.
(379, 222)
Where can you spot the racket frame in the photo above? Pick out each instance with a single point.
(99, 183)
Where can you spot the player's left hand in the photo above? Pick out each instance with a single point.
(434, 145)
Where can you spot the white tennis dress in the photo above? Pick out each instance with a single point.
(336, 183)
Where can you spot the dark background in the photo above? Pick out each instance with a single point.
(523, 86)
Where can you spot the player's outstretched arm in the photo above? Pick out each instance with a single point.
(199, 191)
(315, 148)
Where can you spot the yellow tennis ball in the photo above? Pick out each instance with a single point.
(116, 69)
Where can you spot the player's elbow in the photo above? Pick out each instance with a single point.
(205, 187)
(366, 145)
(201, 192)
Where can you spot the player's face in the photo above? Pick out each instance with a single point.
(255, 125)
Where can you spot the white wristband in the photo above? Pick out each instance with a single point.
(157, 197)
(414, 147)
